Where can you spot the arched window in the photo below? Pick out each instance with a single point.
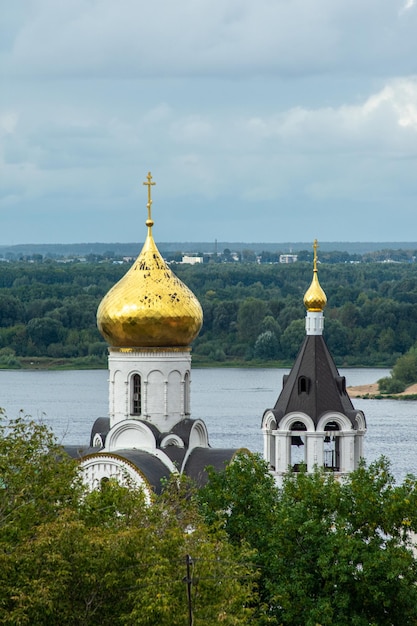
(303, 384)
(136, 408)
(187, 393)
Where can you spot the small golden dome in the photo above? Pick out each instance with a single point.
(149, 306)
(315, 299)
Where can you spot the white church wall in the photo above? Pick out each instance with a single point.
(165, 381)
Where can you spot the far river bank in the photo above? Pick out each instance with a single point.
(368, 391)
(372, 392)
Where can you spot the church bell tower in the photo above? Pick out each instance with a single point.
(313, 422)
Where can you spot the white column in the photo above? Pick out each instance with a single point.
(267, 446)
(314, 452)
(183, 398)
(145, 398)
(359, 436)
(347, 451)
(282, 450)
(166, 398)
(315, 457)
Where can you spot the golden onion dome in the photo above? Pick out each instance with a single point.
(315, 299)
(149, 306)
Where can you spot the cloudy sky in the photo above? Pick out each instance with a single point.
(266, 120)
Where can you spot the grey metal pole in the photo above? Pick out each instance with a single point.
(189, 582)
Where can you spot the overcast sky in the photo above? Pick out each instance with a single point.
(260, 120)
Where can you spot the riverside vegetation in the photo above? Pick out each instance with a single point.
(253, 314)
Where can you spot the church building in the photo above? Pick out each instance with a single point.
(313, 421)
(149, 319)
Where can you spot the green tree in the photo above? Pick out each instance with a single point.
(77, 558)
(374, 303)
(386, 341)
(266, 346)
(34, 485)
(11, 310)
(405, 368)
(225, 313)
(331, 552)
(391, 385)
(404, 373)
(243, 499)
(345, 554)
(337, 338)
(270, 323)
(44, 331)
(292, 338)
(248, 256)
(251, 314)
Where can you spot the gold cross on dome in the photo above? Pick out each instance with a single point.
(315, 246)
(149, 184)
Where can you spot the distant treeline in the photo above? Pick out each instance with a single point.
(338, 251)
(253, 313)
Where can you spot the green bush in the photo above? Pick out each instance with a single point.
(391, 385)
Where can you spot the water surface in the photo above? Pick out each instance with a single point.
(230, 401)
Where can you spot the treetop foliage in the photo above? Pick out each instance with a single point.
(72, 557)
(315, 551)
(330, 552)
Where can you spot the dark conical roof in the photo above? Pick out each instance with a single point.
(314, 385)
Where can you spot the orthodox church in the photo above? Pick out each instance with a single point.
(313, 421)
(149, 319)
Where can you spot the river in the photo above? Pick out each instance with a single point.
(230, 401)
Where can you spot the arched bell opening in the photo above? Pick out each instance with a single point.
(331, 447)
(269, 425)
(298, 446)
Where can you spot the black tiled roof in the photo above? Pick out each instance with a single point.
(79, 452)
(101, 426)
(175, 454)
(148, 465)
(200, 458)
(314, 385)
(183, 429)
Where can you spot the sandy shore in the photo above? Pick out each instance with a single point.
(372, 390)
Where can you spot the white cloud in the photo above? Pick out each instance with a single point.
(192, 129)
(238, 105)
(215, 154)
(211, 37)
(377, 123)
(8, 122)
(409, 4)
